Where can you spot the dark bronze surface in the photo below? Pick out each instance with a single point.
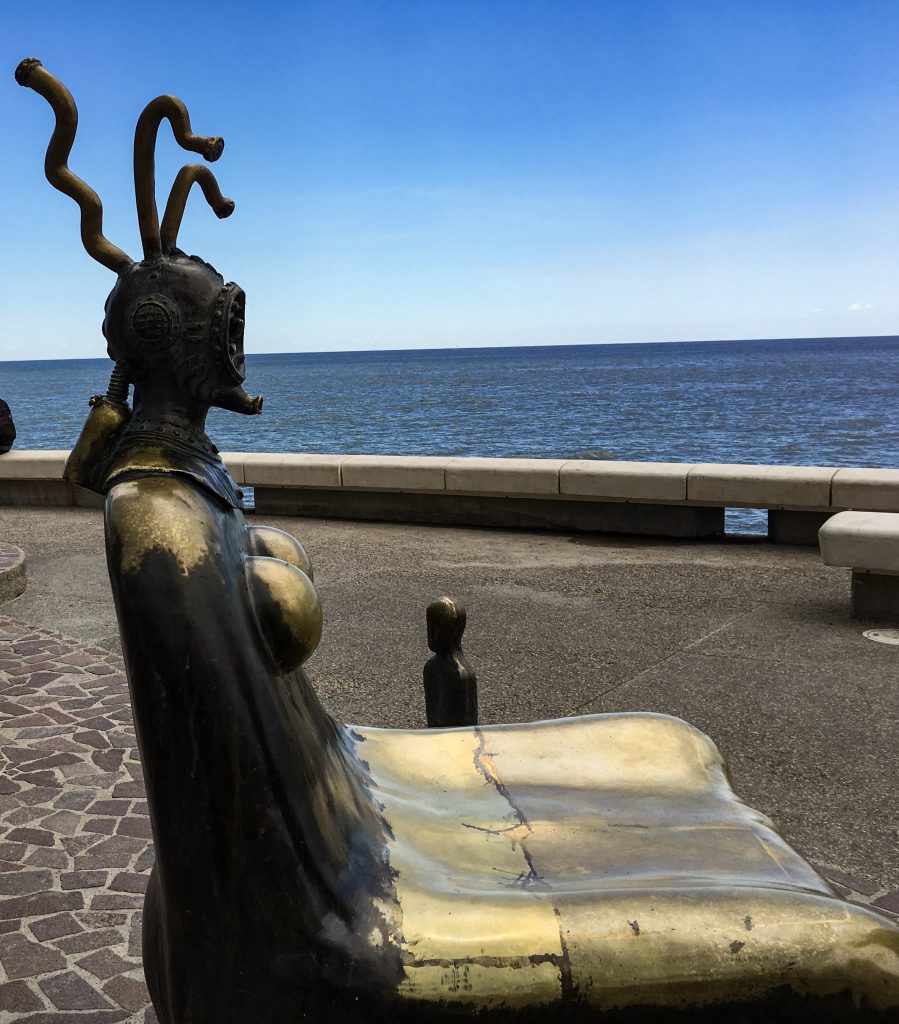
(451, 685)
(174, 209)
(270, 875)
(145, 166)
(592, 868)
(32, 74)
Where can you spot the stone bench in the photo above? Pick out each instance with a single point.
(621, 497)
(867, 543)
(35, 478)
(650, 498)
(662, 499)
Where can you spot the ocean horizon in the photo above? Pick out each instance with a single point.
(809, 401)
(485, 348)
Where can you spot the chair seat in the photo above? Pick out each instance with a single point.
(603, 860)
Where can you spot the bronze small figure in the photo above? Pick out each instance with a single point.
(451, 686)
(591, 868)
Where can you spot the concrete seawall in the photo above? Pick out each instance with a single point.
(645, 498)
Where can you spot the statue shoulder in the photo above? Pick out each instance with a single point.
(165, 518)
(168, 539)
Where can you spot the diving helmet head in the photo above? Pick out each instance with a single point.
(175, 318)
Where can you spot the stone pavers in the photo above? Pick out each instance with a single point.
(75, 846)
(864, 891)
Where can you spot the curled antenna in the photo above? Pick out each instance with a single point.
(145, 162)
(32, 74)
(174, 208)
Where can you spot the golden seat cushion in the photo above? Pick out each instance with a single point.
(604, 860)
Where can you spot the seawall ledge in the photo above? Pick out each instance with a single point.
(647, 498)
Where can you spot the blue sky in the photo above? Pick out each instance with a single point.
(476, 172)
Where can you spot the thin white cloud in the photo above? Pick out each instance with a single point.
(855, 307)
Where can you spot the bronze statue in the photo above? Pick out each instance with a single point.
(451, 686)
(595, 868)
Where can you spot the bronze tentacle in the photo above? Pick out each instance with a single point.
(174, 208)
(34, 75)
(145, 162)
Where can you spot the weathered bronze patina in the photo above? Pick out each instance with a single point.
(595, 868)
(451, 686)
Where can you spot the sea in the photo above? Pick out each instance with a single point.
(810, 401)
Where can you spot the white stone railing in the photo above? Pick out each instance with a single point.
(727, 484)
(517, 492)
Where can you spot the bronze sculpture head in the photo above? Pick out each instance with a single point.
(173, 326)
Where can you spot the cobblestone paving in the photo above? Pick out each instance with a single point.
(75, 849)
